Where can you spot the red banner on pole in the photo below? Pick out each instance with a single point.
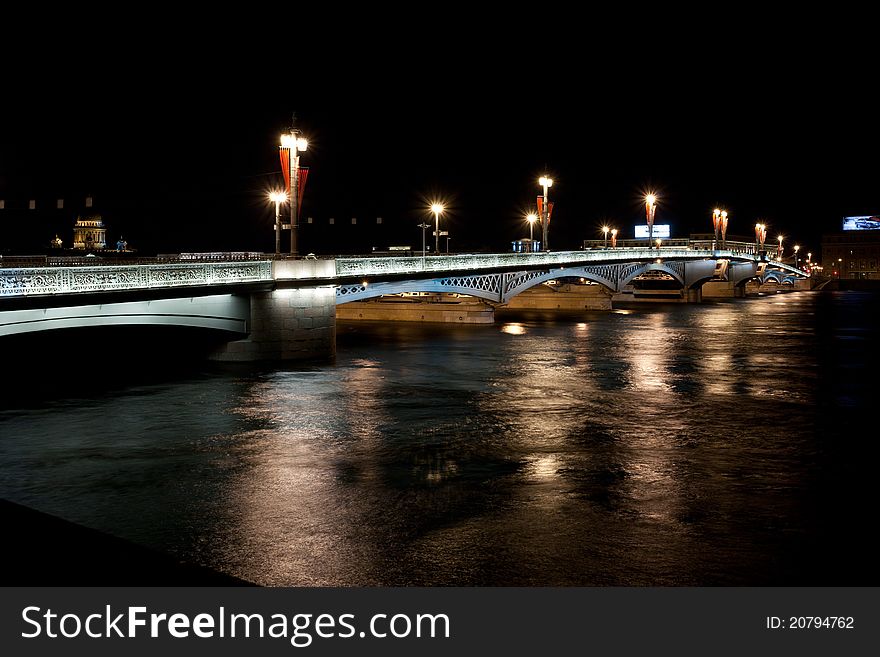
(549, 212)
(541, 208)
(285, 168)
(303, 176)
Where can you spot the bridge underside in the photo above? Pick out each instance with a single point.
(224, 312)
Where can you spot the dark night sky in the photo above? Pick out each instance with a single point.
(179, 154)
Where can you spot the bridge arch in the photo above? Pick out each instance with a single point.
(229, 313)
(676, 270)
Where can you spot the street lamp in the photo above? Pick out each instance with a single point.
(546, 182)
(839, 267)
(658, 243)
(277, 198)
(424, 226)
(760, 236)
(437, 209)
(605, 231)
(650, 211)
(531, 217)
(796, 249)
(716, 224)
(779, 250)
(292, 144)
(613, 238)
(724, 229)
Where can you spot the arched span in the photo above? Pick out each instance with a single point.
(223, 312)
(772, 276)
(522, 281)
(484, 287)
(671, 269)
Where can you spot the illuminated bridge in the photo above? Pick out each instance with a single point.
(286, 309)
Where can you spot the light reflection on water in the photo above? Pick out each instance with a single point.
(664, 445)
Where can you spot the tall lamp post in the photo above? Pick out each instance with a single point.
(277, 198)
(292, 144)
(437, 209)
(839, 267)
(531, 217)
(724, 229)
(716, 224)
(779, 250)
(796, 249)
(424, 226)
(760, 236)
(650, 212)
(605, 232)
(613, 238)
(546, 182)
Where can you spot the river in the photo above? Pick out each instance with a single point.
(725, 443)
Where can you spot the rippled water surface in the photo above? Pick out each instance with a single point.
(722, 443)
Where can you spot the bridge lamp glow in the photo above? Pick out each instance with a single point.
(437, 209)
(650, 213)
(277, 198)
(613, 238)
(605, 232)
(531, 217)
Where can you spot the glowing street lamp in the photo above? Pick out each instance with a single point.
(437, 209)
(605, 232)
(613, 238)
(650, 212)
(716, 224)
(796, 249)
(292, 144)
(779, 250)
(546, 182)
(658, 243)
(723, 229)
(277, 198)
(839, 267)
(760, 236)
(531, 217)
(809, 256)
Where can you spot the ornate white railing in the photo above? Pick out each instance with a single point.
(480, 261)
(77, 280)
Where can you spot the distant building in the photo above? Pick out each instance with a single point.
(852, 254)
(89, 233)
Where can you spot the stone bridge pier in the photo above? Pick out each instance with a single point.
(295, 321)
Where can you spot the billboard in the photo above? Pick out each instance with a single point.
(660, 230)
(868, 222)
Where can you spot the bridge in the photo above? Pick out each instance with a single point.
(286, 309)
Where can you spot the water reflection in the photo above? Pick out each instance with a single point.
(669, 445)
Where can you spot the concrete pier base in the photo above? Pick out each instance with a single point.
(287, 324)
(567, 298)
(694, 295)
(719, 290)
(443, 311)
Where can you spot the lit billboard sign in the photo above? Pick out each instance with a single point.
(660, 230)
(870, 222)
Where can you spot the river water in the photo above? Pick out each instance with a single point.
(724, 443)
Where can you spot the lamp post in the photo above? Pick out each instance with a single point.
(724, 229)
(437, 209)
(779, 250)
(760, 236)
(546, 182)
(839, 267)
(293, 143)
(658, 243)
(796, 249)
(613, 238)
(605, 232)
(650, 212)
(424, 226)
(531, 217)
(716, 224)
(277, 198)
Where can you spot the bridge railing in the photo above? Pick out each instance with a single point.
(466, 262)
